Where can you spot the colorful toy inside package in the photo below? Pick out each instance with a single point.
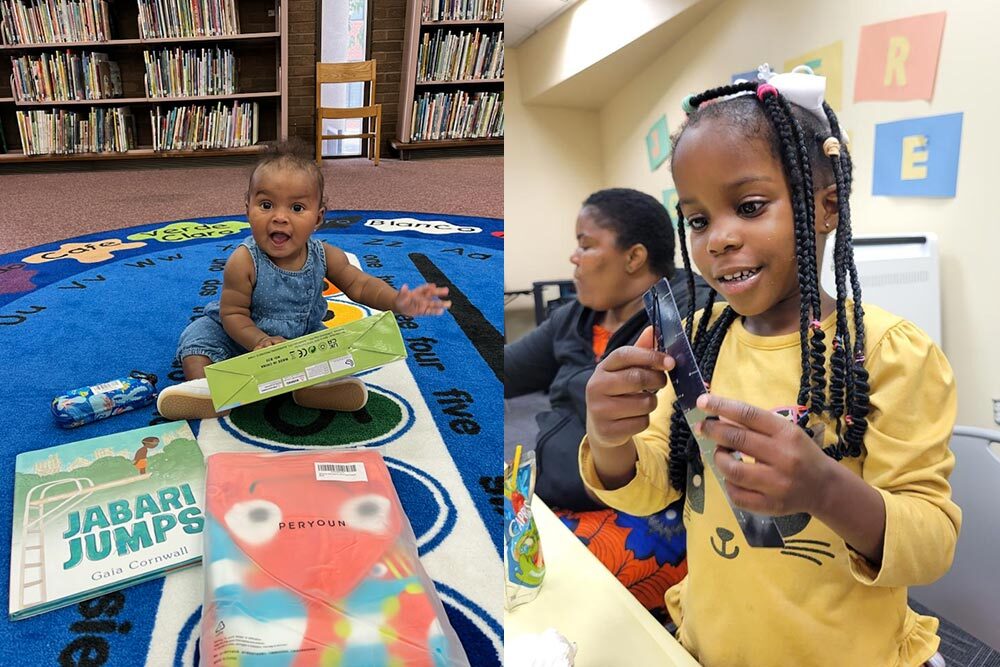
(309, 560)
(88, 404)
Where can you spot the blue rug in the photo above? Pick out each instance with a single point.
(91, 309)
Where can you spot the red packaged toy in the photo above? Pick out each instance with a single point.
(309, 560)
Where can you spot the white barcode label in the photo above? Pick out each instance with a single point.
(105, 387)
(341, 472)
(273, 385)
(341, 364)
(318, 370)
(294, 379)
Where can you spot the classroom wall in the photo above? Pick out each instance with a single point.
(740, 34)
(552, 161)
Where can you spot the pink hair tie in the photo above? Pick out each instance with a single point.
(816, 324)
(765, 89)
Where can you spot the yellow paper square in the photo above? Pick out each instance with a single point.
(826, 61)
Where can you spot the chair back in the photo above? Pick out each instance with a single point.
(345, 73)
(969, 594)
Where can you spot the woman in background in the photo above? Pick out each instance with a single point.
(625, 243)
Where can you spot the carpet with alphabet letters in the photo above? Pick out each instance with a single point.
(91, 309)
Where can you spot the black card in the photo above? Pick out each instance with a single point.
(668, 331)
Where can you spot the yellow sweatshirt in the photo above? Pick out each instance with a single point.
(815, 601)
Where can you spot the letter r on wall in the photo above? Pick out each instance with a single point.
(895, 61)
(913, 166)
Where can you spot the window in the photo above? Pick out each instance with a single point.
(344, 38)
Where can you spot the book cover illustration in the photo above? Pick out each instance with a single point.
(105, 513)
(310, 560)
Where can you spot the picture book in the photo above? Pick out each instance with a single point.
(98, 515)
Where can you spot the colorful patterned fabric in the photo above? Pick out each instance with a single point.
(647, 554)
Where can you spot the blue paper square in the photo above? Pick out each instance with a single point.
(917, 157)
(749, 76)
(658, 143)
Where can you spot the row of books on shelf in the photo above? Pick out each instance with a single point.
(113, 129)
(193, 72)
(56, 21)
(48, 21)
(200, 127)
(446, 56)
(457, 115)
(68, 75)
(462, 10)
(65, 75)
(61, 132)
(187, 18)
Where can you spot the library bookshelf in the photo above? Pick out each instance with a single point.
(428, 74)
(259, 52)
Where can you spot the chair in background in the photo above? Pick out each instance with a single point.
(969, 594)
(371, 113)
(543, 307)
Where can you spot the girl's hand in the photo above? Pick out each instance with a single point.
(268, 341)
(423, 300)
(788, 473)
(622, 392)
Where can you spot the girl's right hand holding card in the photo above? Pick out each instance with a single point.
(620, 396)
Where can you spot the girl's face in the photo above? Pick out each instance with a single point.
(284, 210)
(600, 265)
(735, 199)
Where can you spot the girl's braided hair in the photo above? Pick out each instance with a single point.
(810, 154)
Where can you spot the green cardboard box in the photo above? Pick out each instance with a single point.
(305, 361)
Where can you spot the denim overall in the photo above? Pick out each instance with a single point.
(283, 303)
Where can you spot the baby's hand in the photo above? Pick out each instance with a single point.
(423, 300)
(268, 341)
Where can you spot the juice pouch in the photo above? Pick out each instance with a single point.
(309, 560)
(523, 562)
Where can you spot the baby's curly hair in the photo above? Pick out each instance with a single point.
(290, 154)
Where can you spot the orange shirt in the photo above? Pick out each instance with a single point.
(601, 338)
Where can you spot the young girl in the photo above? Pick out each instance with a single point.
(833, 418)
(273, 289)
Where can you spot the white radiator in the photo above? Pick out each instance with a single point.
(899, 273)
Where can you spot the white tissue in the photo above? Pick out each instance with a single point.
(549, 649)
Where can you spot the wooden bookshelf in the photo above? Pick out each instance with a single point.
(411, 88)
(128, 101)
(141, 153)
(260, 52)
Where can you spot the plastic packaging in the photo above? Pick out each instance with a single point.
(309, 560)
(100, 401)
(523, 562)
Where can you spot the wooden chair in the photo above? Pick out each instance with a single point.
(349, 73)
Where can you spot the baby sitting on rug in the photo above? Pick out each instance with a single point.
(273, 289)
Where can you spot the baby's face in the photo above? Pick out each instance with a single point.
(284, 210)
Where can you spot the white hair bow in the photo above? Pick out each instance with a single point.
(801, 87)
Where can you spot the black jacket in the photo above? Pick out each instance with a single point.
(558, 356)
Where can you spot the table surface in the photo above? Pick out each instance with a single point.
(585, 603)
